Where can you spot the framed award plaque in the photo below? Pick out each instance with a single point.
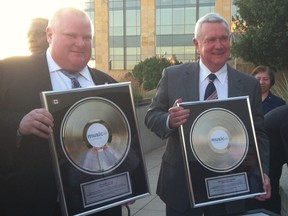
(220, 149)
(96, 148)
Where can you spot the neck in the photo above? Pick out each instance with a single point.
(264, 95)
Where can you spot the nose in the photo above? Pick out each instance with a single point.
(218, 43)
(32, 38)
(80, 41)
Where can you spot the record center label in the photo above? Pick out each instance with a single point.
(97, 135)
(219, 140)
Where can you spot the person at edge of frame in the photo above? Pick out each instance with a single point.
(266, 78)
(36, 35)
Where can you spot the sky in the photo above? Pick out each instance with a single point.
(14, 20)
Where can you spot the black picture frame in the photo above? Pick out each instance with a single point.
(84, 190)
(220, 151)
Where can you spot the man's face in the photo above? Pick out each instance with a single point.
(37, 40)
(213, 45)
(70, 42)
(264, 80)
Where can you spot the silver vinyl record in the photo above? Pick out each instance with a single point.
(219, 140)
(95, 135)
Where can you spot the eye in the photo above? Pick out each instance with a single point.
(210, 40)
(87, 38)
(224, 38)
(71, 36)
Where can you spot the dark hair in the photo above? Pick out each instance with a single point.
(263, 68)
(42, 19)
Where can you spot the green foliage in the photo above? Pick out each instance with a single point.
(149, 72)
(262, 36)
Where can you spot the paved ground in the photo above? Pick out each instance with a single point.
(153, 206)
(150, 205)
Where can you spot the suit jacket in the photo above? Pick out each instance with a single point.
(27, 178)
(276, 125)
(182, 81)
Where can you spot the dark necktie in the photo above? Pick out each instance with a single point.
(211, 92)
(73, 77)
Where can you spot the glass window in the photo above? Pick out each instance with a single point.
(165, 30)
(178, 50)
(116, 51)
(178, 29)
(115, 4)
(124, 33)
(204, 10)
(189, 29)
(131, 18)
(133, 41)
(190, 2)
(132, 51)
(117, 65)
(166, 16)
(190, 15)
(163, 2)
(116, 18)
(132, 4)
(179, 2)
(175, 37)
(116, 41)
(178, 16)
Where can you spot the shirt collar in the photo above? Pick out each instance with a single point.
(220, 74)
(54, 67)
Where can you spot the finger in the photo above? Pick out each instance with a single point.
(39, 133)
(45, 117)
(42, 127)
(179, 100)
(178, 117)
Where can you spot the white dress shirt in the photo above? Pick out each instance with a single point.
(62, 82)
(221, 83)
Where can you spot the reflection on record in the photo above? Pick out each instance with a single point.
(219, 140)
(95, 135)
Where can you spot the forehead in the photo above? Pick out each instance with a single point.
(73, 23)
(213, 29)
(262, 74)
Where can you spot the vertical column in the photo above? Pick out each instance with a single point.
(101, 32)
(224, 8)
(148, 29)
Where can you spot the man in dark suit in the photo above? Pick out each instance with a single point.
(276, 125)
(27, 179)
(187, 82)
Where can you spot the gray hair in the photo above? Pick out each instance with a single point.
(209, 18)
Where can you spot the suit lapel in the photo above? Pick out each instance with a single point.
(42, 79)
(97, 78)
(235, 88)
(191, 82)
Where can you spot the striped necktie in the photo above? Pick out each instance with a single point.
(73, 76)
(211, 93)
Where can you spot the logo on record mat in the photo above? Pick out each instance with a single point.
(97, 135)
(219, 140)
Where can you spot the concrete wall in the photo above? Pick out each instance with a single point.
(149, 140)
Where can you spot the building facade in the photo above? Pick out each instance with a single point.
(129, 31)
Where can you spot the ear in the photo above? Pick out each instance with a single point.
(196, 43)
(49, 33)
